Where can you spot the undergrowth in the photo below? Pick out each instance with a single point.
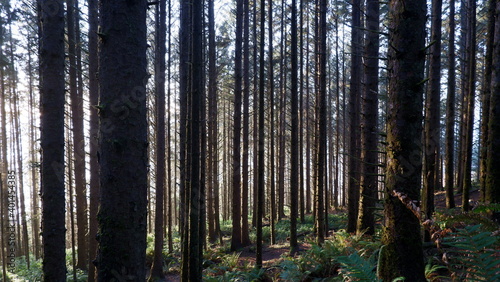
(473, 254)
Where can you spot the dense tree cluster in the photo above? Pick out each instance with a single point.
(121, 119)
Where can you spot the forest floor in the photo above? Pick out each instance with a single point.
(274, 254)
(440, 199)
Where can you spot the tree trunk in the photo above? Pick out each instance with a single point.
(432, 129)
(486, 97)
(450, 114)
(255, 103)
(191, 92)
(245, 237)
(156, 272)
(71, 214)
(402, 253)
(464, 72)
(320, 140)
(294, 146)
(52, 139)
(260, 173)
(185, 41)
(355, 93)
(309, 128)
(123, 141)
(76, 98)
(369, 125)
(282, 118)
(492, 192)
(337, 120)
(236, 242)
(301, 118)
(171, 194)
(469, 102)
(272, 174)
(94, 190)
(213, 191)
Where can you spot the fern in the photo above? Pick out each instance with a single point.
(473, 252)
(489, 208)
(356, 268)
(431, 272)
(291, 271)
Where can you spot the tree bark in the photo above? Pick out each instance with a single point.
(272, 163)
(94, 190)
(236, 242)
(301, 118)
(486, 98)
(294, 146)
(76, 98)
(282, 118)
(52, 139)
(213, 191)
(245, 237)
(469, 102)
(450, 114)
(260, 173)
(320, 159)
(492, 192)
(432, 129)
(402, 253)
(355, 93)
(156, 272)
(369, 125)
(464, 55)
(123, 141)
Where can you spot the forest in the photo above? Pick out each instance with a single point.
(250, 140)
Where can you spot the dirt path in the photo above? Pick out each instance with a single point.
(271, 255)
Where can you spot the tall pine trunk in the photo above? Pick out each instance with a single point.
(354, 101)
(450, 114)
(369, 125)
(52, 139)
(123, 141)
(294, 146)
(156, 272)
(94, 190)
(76, 98)
(432, 129)
(272, 164)
(486, 97)
(402, 253)
(212, 189)
(245, 236)
(492, 193)
(468, 107)
(320, 140)
(236, 242)
(260, 152)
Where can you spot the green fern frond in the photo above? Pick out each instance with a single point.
(473, 250)
(489, 208)
(356, 268)
(431, 271)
